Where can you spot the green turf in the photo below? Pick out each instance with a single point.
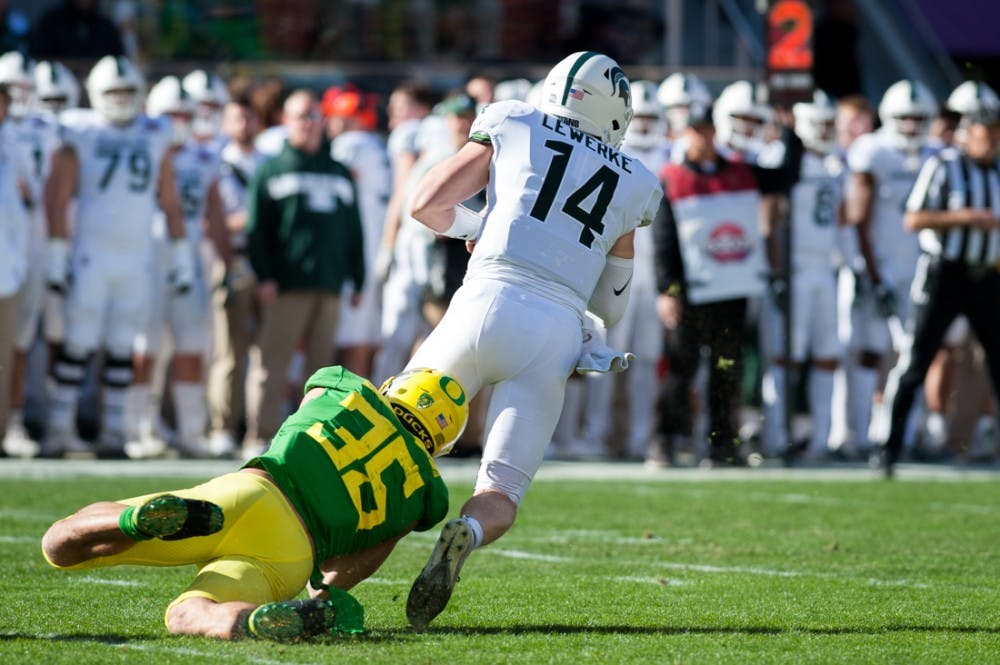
(740, 571)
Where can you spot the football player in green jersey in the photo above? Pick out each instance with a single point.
(347, 475)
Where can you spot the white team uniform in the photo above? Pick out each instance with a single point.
(108, 301)
(38, 137)
(196, 168)
(638, 331)
(365, 154)
(815, 200)
(896, 249)
(402, 321)
(557, 201)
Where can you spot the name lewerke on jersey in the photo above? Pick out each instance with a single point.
(590, 142)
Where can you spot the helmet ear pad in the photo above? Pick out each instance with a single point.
(431, 405)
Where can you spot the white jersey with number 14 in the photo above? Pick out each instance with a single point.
(558, 200)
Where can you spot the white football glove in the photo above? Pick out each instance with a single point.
(383, 263)
(181, 274)
(57, 266)
(598, 357)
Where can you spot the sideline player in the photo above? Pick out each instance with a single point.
(557, 238)
(115, 160)
(815, 215)
(883, 167)
(348, 475)
(37, 137)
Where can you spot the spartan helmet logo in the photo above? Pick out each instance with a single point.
(619, 84)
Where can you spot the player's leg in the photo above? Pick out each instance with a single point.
(30, 301)
(725, 375)
(774, 434)
(527, 347)
(937, 306)
(107, 529)
(282, 324)
(824, 344)
(188, 317)
(85, 308)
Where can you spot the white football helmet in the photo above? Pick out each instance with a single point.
(648, 127)
(975, 101)
(681, 93)
(906, 110)
(740, 116)
(815, 123)
(116, 89)
(168, 97)
(590, 91)
(511, 89)
(56, 88)
(17, 72)
(210, 94)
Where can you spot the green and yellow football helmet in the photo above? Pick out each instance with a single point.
(431, 405)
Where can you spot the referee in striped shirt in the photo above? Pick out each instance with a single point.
(955, 207)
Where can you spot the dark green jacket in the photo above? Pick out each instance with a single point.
(303, 225)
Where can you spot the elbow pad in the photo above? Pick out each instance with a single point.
(612, 291)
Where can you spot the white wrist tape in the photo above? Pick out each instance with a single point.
(466, 225)
(57, 264)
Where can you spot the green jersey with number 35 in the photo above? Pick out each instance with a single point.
(353, 473)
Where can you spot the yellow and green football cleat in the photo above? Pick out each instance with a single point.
(170, 517)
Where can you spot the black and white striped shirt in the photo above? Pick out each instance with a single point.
(952, 181)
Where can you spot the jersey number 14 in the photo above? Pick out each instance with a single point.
(603, 182)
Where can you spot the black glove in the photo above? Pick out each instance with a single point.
(886, 301)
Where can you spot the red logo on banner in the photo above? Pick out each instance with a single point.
(728, 243)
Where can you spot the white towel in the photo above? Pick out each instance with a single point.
(597, 356)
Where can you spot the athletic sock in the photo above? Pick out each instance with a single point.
(773, 396)
(192, 414)
(820, 408)
(861, 385)
(477, 530)
(127, 525)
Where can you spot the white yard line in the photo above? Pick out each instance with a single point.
(105, 581)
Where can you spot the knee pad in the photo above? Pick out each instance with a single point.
(118, 371)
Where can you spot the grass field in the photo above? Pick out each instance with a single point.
(606, 564)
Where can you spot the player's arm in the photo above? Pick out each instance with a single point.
(402, 165)
(216, 229)
(859, 205)
(345, 571)
(182, 269)
(611, 294)
(169, 199)
(59, 190)
(449, 183)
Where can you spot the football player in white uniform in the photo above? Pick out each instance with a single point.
(402, 322)
(196, 163)
(676, 94)
(353, 121)
(56, 89)
(815, 213)
(639, 329)
(883, 167)
(115, 161)
(37, 137)
(556, 239)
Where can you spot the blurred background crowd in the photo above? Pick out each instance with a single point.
(168, 198)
